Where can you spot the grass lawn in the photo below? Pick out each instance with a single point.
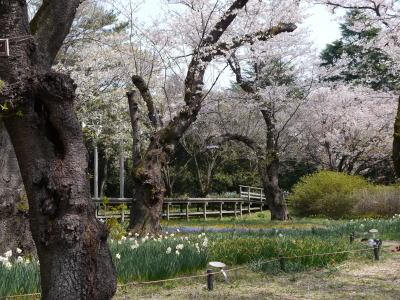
(360, 278)
(251, 221)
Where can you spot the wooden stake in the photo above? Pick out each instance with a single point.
(210, 280)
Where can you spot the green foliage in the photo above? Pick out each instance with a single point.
(22, 204)
(2, 83)
(367, 65)
(115, 228)
(377, 200)
(248, 249)
(326, 193)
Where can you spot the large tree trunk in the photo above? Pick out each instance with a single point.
(75, 262)
(270, 178)
(396, 142)
(273, 193)
(149, 186)
(149, 193)
(14, 222)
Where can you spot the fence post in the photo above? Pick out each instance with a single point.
(282, 262)
(210, 280)
(376, 252)
(241, 208)
(205, 210)
(235, 209)
(249, 207)
(220, 209)
(187, 211)
(352, 237)
(167, 210)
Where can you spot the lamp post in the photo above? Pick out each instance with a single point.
(122, 172)
(96, 159)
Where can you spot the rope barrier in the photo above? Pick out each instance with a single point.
(136, 283)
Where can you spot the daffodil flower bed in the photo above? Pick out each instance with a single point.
(158, 257)
(176, 253)
(19, 273)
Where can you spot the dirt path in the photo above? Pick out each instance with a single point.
(361, 279)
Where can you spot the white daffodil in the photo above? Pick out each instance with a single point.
(20, 259)
(168, 250)
(123, 238)
(7, 265)
(177, 252)
(8, 253)
(179, 246)
(19, 251)
(118, 256)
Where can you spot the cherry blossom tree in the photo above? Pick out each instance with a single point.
(384, 15)
(201, 33)
(347, 128)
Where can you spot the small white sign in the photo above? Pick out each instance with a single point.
(4, 48)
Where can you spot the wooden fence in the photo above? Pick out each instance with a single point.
(251, 199)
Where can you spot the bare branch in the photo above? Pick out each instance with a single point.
(153, 114)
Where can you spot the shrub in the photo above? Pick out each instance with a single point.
(327, 193)
(377, 200)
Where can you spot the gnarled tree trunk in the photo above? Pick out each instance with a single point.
(14, 222)
(75, 262)
(273, 193)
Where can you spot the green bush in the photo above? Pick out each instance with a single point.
(377, 200)
(326, 193)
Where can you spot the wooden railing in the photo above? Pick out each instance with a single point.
(183, 207)
(251, 199)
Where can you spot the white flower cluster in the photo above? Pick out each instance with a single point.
(5, 260)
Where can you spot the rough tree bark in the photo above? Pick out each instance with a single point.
(273, 193)
(75, 262)
(150, 188)
(14, 222)
(268, 159)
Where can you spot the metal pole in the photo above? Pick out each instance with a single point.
(96, 171)
(121, 175)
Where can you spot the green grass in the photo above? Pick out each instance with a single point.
(147, 258)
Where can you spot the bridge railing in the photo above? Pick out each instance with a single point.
(183, 207)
